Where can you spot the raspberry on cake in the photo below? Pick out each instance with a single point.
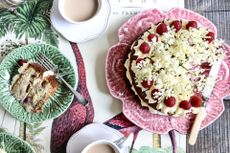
(33, 86)
(169, 65)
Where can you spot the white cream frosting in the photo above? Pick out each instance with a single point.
(48, 73)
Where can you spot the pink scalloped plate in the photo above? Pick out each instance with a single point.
(119, 86)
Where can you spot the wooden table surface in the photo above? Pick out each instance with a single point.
(216, 137)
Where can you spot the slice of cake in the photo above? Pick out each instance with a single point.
(168, 66)
(32, 86)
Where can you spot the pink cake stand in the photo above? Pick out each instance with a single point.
(120, 88)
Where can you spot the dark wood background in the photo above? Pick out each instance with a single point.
(216, 137)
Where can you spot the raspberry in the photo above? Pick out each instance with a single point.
(176, 24)
(147, 83)
(210, 37)
(185, 105)
(191, 24)
(221, 47)
(196, 101)
(206, 68)
(145, 48)
(151, 36)
(139, 60)
(205, 65)
(162, 28)
(21, 62)
(170, 102)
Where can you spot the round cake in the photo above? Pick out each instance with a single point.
(169, 66)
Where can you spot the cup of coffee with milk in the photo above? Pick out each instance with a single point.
(101, 146)
(79, 11)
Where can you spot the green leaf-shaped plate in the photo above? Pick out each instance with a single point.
(56, 104)
(14, 144)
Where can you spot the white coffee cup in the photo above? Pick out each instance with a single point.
(101, 145)
(79, 11)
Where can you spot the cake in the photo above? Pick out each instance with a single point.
(33, 86)
(169, 64)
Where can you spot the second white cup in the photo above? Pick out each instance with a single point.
(101, 146)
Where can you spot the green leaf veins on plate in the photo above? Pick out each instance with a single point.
(12, 144)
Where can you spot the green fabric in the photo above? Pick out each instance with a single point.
(29, 21)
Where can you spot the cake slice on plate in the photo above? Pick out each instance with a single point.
(33, 86)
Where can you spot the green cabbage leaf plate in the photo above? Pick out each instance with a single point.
(56, 104)
(12, 144)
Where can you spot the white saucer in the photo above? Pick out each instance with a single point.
(90, 133)
(84, 31)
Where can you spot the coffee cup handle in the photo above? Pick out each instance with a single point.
(119, 142)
